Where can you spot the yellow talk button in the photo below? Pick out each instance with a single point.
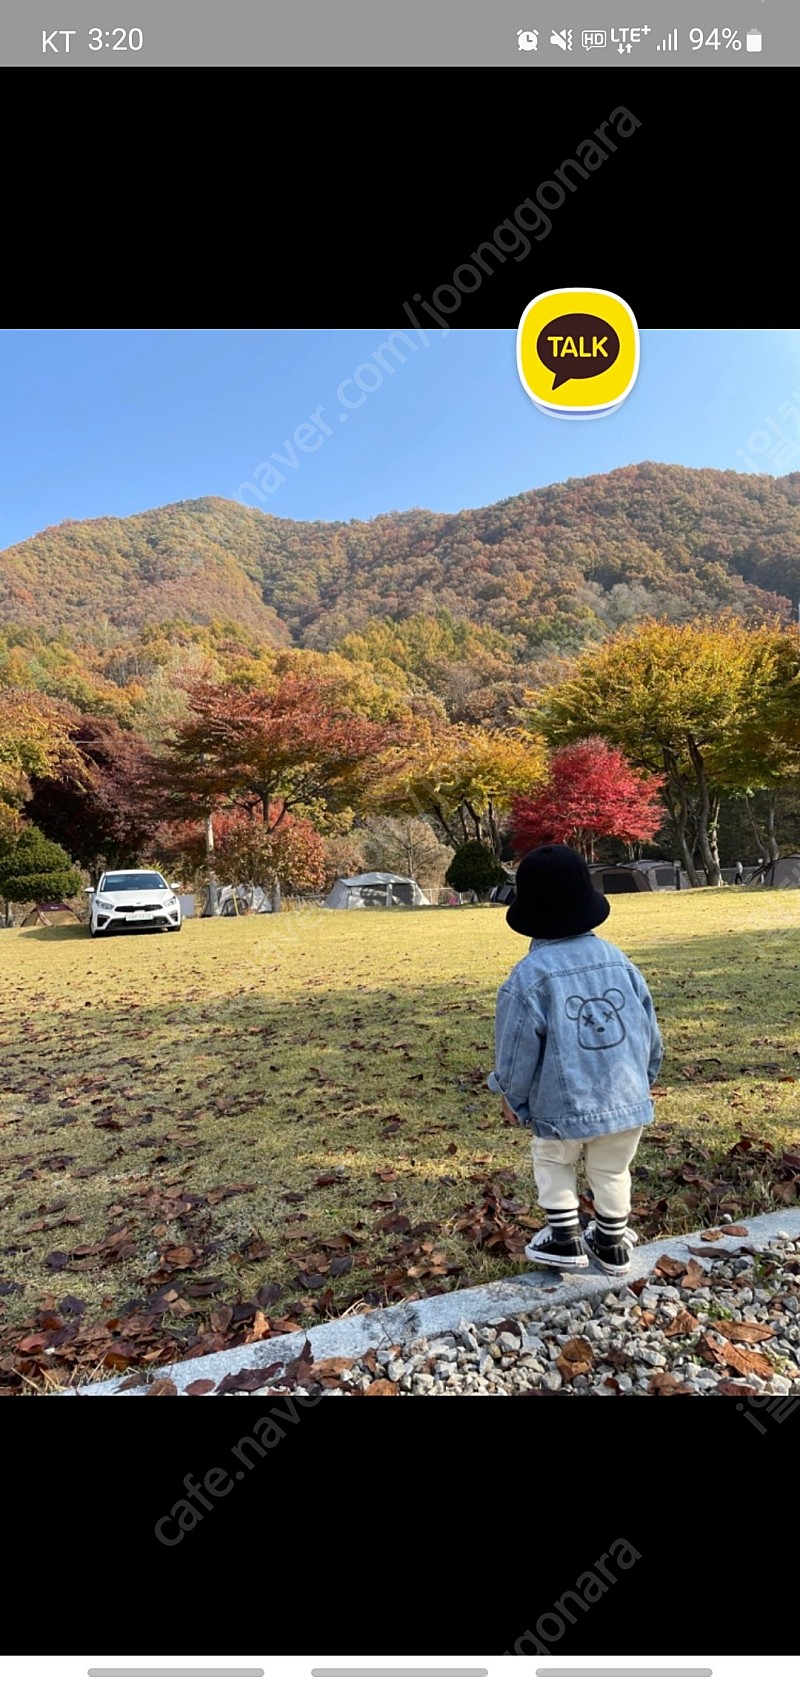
(578, 351)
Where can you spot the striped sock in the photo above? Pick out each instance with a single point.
(610, 1231)
(563, 1223)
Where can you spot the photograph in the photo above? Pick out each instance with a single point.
(400, 860)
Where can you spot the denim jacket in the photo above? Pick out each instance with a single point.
(577, 1044)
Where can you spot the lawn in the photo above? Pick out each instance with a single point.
(277, 1119)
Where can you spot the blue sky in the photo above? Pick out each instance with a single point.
(96, 422)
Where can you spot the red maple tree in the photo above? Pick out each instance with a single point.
(265, 751)
(592, 793)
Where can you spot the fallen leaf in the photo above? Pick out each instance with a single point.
(722, 1353)
(329, 1370)
(199, 1387)
(268, 1294)
(664, 1384)
(683, 1323)
(576, 1357)
(743, 1331)
(182, 1256)
(249, 1379)
(162, 1387)
(382, 1387)
(668, 1267)
(734, 1231)
(261, 1327)
(694, 1276)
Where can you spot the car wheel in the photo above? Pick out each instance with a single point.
(177, 928)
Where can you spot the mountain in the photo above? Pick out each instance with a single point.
(547, 568)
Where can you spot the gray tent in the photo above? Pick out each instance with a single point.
(375, 891)
(660, 873)
(609, 878)
(502, 894)
(785, 873)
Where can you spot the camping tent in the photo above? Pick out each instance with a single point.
(609, 878)
(660, 874)
(502, 894)
(375, 891)
(51, 915)
(785, 873)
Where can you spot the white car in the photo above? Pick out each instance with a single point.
(133, 900)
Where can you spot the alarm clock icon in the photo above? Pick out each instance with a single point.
(528, 40)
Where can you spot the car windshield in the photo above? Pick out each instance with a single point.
(133, 882)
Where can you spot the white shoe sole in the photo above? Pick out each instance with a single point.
(541, 1258)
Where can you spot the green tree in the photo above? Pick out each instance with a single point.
(37, 871)
(474, 868)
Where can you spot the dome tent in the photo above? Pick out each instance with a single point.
(784, 873)
(375, 891)
(609, 878)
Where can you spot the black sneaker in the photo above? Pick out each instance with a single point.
(546, 1252)
(612, 1258)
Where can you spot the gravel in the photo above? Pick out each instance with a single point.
(623, 1348)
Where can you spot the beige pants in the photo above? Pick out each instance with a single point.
(608, 1171)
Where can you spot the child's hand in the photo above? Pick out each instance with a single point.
(509, 1115)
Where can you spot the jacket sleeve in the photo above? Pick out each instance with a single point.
(518, 1047)
(656, 1042)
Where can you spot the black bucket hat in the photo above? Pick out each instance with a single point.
(555, 897)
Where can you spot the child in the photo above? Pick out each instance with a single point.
(577, 1049)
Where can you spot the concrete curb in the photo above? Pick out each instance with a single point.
(526, 1296)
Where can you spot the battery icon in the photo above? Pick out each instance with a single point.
(753, 41)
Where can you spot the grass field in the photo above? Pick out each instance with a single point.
(282, 1118)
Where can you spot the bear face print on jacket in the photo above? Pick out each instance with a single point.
(599, 1024)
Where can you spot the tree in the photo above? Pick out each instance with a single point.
(676, 700)
(95, 802)
(34, 734)
(289, 854)
(474, 868)
(265, 751)
(464, 776)
(404, 844)
(592, 793)
(37, 871)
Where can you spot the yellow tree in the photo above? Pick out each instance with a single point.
(465, 776)
(676, 700)
(34, 738)
(764, 754)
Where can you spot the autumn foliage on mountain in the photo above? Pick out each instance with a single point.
(545, 568)
(211, 659)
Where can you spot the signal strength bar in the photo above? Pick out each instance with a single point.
(669, 43)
